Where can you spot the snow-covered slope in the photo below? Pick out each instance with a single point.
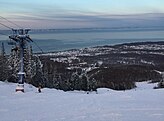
(141, 104)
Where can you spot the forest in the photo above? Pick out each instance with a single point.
(118, 69)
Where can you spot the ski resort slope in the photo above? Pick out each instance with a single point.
(140, 104)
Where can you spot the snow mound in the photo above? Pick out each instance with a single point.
(145, 85)
(104, 90)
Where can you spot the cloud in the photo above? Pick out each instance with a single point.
(91, 13)
(58, 17)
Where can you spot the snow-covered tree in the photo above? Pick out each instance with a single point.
(4, 70)
(84, 82)
(2, 50)
(93, 84)
(74, 81)
(13, 62)
(30, 64)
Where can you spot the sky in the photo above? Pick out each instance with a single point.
(39, 14)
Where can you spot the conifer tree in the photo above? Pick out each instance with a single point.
(84, 83)
(13, 62)
(4, 70)
(30, 66)
(2, 50)
(74, 81)
(38, 77)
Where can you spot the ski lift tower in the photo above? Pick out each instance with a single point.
(21, 37)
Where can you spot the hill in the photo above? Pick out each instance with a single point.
(117, 67)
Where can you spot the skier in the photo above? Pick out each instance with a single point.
(39, 88)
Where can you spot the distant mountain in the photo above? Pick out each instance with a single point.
(113, 29)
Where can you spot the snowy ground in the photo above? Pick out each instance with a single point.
(141, 104)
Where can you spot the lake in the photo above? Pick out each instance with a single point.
(63, 41)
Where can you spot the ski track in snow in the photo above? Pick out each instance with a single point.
(140, 104)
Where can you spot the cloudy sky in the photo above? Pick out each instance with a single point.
(83, 13)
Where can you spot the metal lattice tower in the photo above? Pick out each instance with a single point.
(21, 37)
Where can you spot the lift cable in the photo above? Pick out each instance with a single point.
(38, 46)
(10, 22)
(6, 26)
(14, 29)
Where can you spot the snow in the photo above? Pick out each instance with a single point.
(140, 104)
(21, 73)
